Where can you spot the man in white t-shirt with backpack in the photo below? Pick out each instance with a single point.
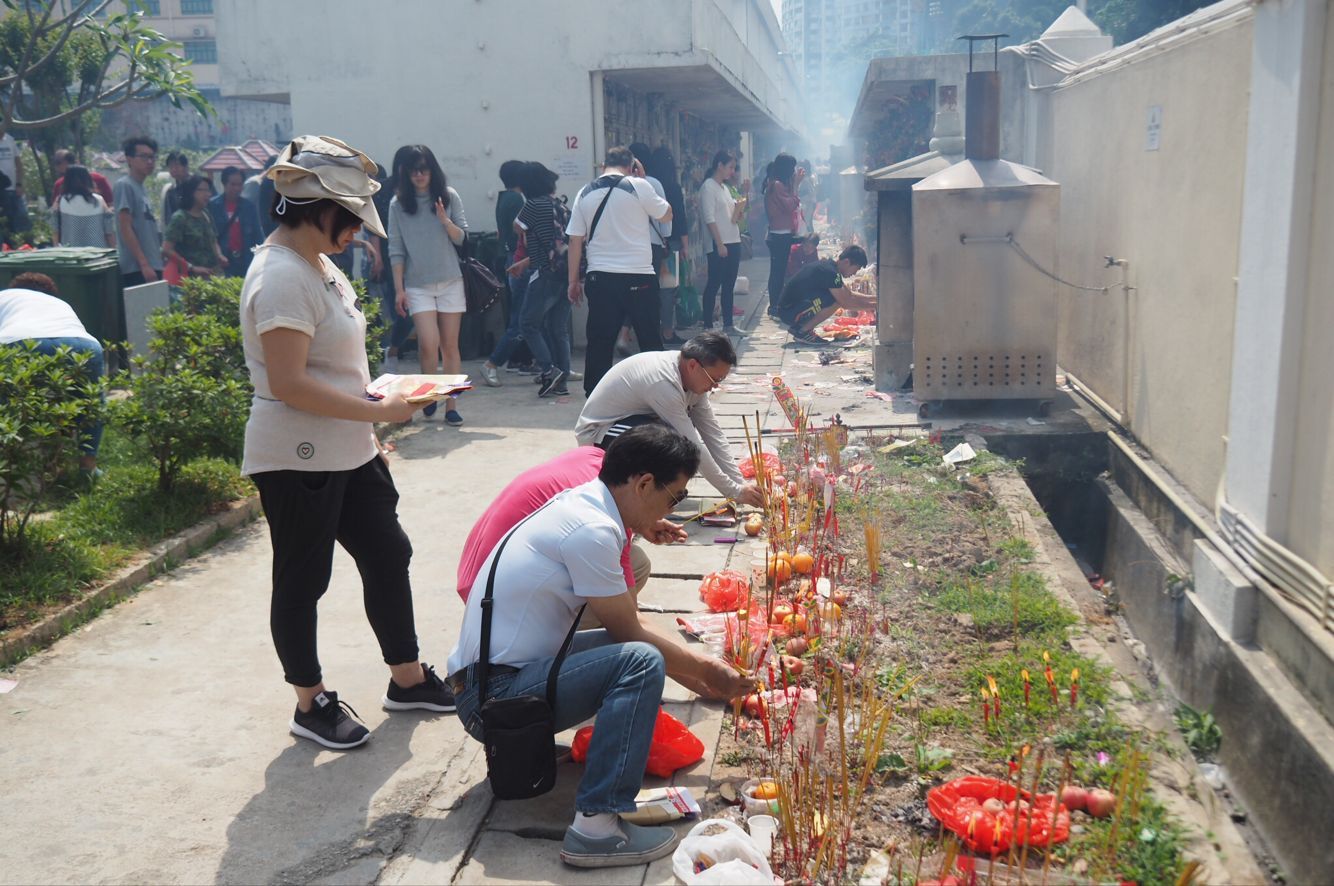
(611, 221)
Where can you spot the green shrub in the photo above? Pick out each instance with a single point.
(43, 402)
(189, 396)
(218, 297)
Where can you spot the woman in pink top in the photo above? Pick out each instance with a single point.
(783, 207)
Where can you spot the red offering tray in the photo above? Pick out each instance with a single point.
(958, 806)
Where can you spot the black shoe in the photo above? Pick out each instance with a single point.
(553, 382)
(329, 722)
(429, 695)
(429, 409)
(561, 391)
(809, 338)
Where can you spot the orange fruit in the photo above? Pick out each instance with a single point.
(780, 570)
(784, 555)
(766, 790)
(803, 563)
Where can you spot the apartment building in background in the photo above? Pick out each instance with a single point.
(193, 24)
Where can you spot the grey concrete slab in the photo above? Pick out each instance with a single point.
(671, 595)
(501, 857)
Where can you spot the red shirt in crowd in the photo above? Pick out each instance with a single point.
(234, 244)
(524, 495)
(100, 185)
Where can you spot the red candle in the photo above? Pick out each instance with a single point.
(1027, 684)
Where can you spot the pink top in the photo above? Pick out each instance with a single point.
(525, 494)
(782, 207)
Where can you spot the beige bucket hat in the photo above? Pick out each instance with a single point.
(320, 167)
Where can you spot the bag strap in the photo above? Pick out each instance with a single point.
(488, 601)
(597, 216)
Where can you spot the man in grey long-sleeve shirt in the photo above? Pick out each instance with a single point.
(672, 387)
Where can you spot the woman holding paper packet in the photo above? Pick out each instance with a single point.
(310, 445)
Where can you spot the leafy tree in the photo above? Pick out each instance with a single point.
(61, 59)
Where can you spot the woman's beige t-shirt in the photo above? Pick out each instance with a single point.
(282, 291)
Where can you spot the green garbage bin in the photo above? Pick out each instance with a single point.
(87, 278)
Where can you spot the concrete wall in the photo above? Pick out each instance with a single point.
(474, 80)
(1312, 506)
(1174, 214)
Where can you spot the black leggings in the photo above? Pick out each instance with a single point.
(307, 512)
(722, 274)
(780, 248)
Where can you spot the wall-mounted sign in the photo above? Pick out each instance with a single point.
(1154, 131)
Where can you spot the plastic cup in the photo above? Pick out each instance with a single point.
(762, 830)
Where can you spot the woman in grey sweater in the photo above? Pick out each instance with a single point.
(426, 223)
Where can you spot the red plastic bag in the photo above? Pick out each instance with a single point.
(773, 466)
(958, 806)
(674, 746)
(725, 591)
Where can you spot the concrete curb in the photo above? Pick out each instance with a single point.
(160, 558)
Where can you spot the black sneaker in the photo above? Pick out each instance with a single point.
(429, 695)
(809, 338)
(553, 382)
(329, 722)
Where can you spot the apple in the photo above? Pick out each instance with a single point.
(781, 612)
(793, 665)
(798, 645)
(1100, 803)
(839, 596)
(754, 526)
(1074, 797)
(993, 806)
(754, 705)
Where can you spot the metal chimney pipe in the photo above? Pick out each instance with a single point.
(982, 116)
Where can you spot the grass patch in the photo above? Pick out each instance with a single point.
(93, 532)
(945, 718)
(1147, 851)
(1002, 603)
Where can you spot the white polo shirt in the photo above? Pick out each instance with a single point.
(622, 242)
(563, 554)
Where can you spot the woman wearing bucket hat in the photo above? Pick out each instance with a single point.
(310, 445)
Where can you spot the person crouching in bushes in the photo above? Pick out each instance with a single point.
(566, 556)
(31, 313)
(310, 444)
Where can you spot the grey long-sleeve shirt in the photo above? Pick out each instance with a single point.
(651, 383)
(421, 244)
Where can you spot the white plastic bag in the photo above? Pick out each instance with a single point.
(736, 857)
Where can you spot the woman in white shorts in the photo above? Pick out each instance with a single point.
(426, 224)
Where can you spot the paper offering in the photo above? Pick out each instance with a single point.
(418, 388)
(660, 805)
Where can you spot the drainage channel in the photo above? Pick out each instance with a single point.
(1073, 478)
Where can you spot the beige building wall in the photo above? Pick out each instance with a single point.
(1311, 512)
(1163, 357)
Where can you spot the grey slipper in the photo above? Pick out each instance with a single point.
(639, 845)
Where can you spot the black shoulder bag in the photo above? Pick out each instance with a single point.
(481, 287)
(519, 733)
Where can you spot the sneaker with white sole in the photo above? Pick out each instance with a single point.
(636, 845)
(490, 375)
(330, 722)
(552, 381)
(809, 338)
(429, 695)
(574, 375)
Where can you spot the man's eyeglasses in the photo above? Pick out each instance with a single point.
(713, 382)
(677, 497)
(145, 156)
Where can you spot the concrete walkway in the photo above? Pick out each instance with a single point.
(151, 745)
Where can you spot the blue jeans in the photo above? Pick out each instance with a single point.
(397, 328)
(90, 437)
(546, 322)
(620, 683)
(518, 288)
